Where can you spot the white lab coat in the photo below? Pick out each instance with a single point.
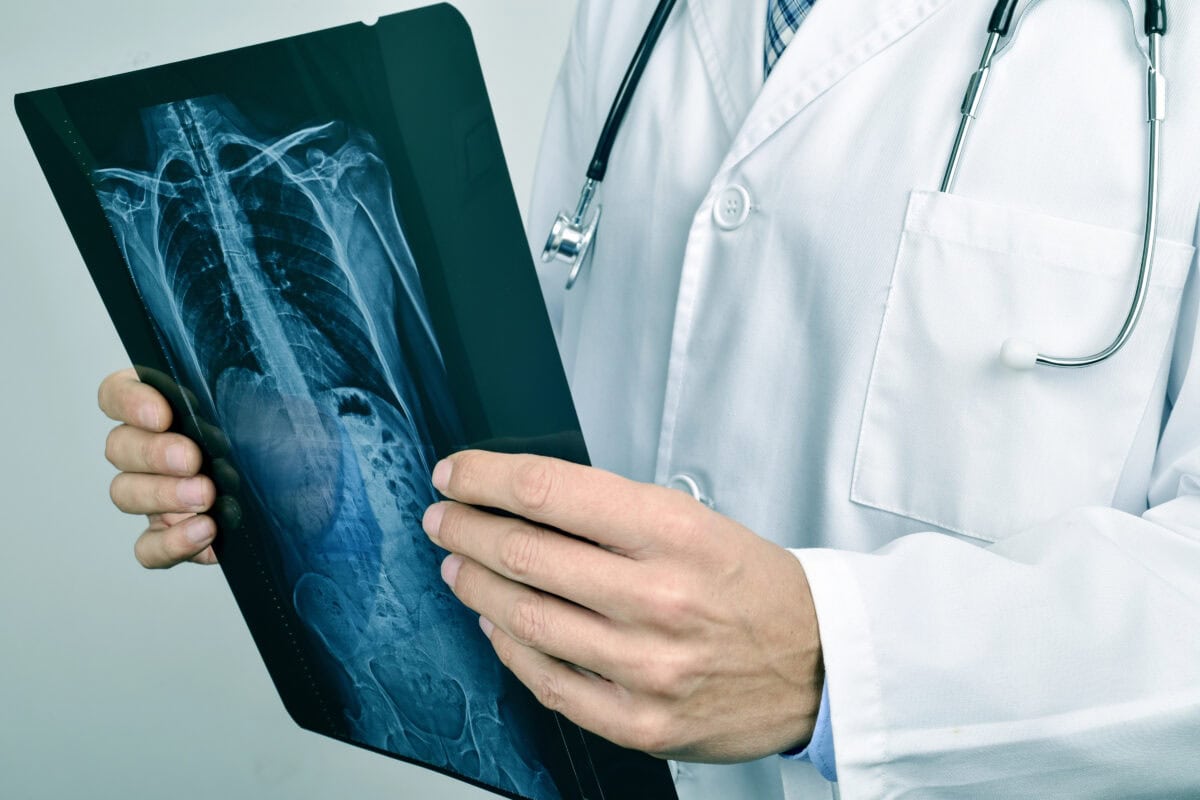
(1006, 565)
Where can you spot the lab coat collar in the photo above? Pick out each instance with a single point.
(731, 36)
(835, 38)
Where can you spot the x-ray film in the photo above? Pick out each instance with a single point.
(312, 248)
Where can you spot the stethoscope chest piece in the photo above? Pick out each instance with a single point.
(570, 241)
(571, 238)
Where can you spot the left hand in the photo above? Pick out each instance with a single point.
(656, 623)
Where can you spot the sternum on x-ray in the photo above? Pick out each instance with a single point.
(277, 273)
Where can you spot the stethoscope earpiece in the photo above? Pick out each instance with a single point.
(1019, 355)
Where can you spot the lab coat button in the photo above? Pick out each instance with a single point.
(731, 208)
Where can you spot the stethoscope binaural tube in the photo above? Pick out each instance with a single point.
(571, 238)
(1020, 354)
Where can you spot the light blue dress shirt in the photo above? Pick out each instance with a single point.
(820, 749)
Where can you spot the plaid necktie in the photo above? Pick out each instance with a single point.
(783, 18)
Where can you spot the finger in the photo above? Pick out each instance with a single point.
(131, 449)
(597, 505)
(147, 404)
(536, 619)
(124, 398)
(177, 395)
(159, 549)
(159, 494)
(587, 700)
(572, 569)
(160, 522)
(205, 557)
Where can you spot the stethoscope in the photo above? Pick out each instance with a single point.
(571, 238)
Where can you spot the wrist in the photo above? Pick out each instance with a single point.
(809, 664)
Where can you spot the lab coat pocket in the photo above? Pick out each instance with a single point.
(952, 437)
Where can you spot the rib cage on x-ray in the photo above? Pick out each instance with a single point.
(278, 274)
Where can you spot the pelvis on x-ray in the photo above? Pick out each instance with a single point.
(278, 276)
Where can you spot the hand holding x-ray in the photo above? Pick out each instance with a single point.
(159, 475)
(631, 609)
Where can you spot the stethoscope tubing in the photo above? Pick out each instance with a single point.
(598, 167)
(1020, 354)
(572, 236)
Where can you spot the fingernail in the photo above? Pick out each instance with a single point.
(441, 475)
(450, 568)
(486, 625)
(200, 530)
(432, 521)
(191, 492)
(148, 416)
(177, 460)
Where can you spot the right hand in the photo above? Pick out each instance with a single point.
(159, 475)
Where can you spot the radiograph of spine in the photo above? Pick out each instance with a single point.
(278, 274)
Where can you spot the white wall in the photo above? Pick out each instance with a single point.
(116, 682)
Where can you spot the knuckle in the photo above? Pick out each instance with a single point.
(519, 552)
(150, 451)
(662, 678)
(548, 690)
(464, 476)
(670, 606)
(505, 649)
(528, 619)
(534, 483)
(672, 672)
(164, 495)
(676, 522)
(650, 732)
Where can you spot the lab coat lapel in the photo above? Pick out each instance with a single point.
(835, 38)
(731, 35)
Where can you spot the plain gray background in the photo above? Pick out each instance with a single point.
(116, 682)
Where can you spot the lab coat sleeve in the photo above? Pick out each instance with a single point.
(1066, 656)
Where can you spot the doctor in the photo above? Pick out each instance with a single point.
(969, 581)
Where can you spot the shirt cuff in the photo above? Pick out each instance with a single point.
(820, 749)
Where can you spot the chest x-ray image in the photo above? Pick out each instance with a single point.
(286, 239)
(279, 276)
